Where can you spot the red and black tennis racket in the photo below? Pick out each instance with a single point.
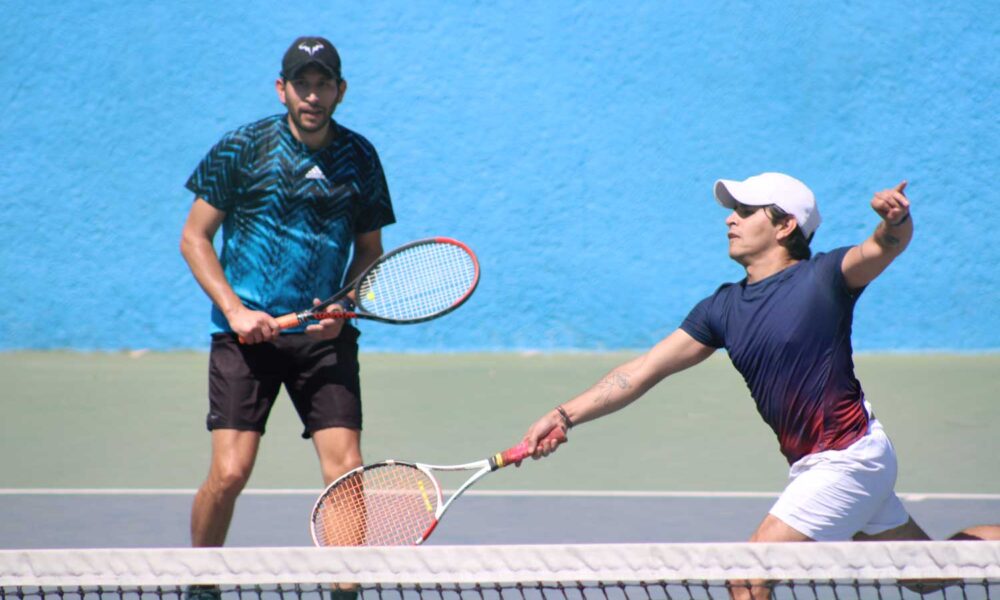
(395, 503)
(416, 282)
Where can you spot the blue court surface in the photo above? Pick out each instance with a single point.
(130, 519)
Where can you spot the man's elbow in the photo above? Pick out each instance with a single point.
(189, 243)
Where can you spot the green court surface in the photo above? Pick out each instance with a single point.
(137, 421)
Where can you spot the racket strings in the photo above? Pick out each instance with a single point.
(419, 281)
(385, 505)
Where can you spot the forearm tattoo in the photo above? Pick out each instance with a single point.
(884, 238)
(615, 380)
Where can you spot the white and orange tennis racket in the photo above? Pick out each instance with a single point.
(394, 503)
(416, 282)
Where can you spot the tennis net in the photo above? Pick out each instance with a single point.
(834, 571)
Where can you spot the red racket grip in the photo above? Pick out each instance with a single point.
(520, 451)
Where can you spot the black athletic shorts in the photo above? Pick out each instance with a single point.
(320, 376)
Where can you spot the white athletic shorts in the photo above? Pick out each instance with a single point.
(834, 494)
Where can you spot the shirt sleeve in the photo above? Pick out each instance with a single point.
(702, 323)
(376, 211)
(217, 179)
(829, 268)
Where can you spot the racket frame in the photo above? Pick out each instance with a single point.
(318, 312)
(482, 468)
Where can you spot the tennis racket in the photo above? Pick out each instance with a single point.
(416, 282)
(394, 503)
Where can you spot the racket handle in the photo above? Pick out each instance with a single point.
(521, 452)
(285, 322)
(288, 321)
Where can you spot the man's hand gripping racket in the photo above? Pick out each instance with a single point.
(395, 503)
(416, 282)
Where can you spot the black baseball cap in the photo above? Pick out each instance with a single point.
(310, 50)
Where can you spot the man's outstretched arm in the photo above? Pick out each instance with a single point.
(621, 386)
(866, 261)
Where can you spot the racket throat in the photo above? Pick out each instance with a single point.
(426, 534)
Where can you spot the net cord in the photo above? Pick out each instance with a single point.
(502, 564)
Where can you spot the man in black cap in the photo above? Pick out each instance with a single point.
(294, 193)
(316, 58)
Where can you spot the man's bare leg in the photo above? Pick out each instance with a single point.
(233, 456)
(771, 529)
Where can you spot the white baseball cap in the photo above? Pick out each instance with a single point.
(786, 192)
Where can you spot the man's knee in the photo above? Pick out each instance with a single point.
(749, 590)
(339, 451)
(333, 468)
(228, 479)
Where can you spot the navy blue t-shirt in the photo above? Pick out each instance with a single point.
(292, 213)
(790, 337)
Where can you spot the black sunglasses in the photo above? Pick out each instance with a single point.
(744, 210)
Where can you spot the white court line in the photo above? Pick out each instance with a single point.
(909, 496)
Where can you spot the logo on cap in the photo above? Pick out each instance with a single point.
(307, 50)
(312, 50)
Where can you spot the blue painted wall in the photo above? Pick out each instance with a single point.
(572, 143)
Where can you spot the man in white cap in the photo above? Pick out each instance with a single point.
(787, 330)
